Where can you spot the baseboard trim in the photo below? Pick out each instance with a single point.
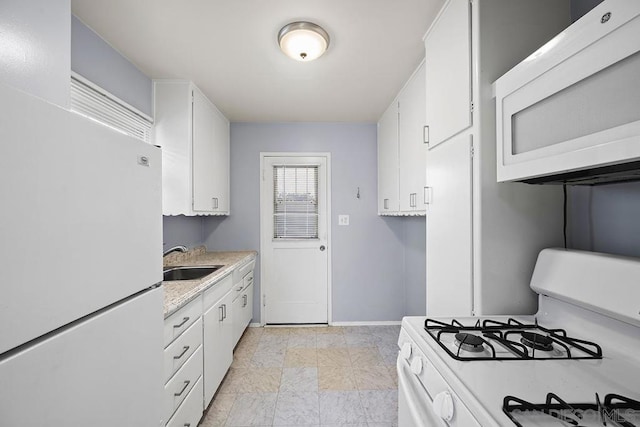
(369, 323)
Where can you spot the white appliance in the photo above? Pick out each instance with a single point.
(81, 315)
(497, 371)
(570, 112)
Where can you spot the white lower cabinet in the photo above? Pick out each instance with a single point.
(217, 336)
(242, 307)
(179, 387)
(183, 365)
(190, 412)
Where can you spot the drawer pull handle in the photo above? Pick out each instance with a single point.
(187, 424)
(184, 320)
(186, 384)
(239, 288)
(184, 350)
(250, 279)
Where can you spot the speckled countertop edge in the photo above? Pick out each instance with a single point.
(179, 293)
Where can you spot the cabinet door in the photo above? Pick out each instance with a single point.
(449, 229)
(221, 158)
(388, 185)
(203, 154)
(237, 313)
(412, 149)
(218, 346)
(448, 72)
(247, 311)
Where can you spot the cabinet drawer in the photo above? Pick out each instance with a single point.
(182, 348)
(190, 412)
(179, 321)
(217, 291)
(176, 390)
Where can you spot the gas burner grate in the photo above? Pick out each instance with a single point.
(522, 341)
(614, 410)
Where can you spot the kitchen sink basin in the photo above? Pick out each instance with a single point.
(189, 272)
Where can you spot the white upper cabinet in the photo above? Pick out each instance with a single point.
(402, 151)
(448, 72)
(388, 179)
(412, 149)
(194, 137)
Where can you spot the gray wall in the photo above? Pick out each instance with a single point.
(580, 7)
(94, 59)
(369, 259)
(34, 47)
(182, 230)
(603, 218)
(97, 61)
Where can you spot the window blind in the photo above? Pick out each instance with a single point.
(97, 104)
(295, 202)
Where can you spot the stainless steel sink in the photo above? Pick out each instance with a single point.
(189, 272)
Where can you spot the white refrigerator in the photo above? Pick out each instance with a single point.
(81, 318)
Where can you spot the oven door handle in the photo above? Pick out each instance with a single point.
(417, 399)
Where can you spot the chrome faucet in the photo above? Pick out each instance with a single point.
(179, 248)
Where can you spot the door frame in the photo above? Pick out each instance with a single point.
(266, 199)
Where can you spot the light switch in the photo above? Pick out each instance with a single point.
(343, 219)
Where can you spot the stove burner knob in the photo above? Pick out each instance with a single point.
(416, 366)
(406, 350)
(443, 405)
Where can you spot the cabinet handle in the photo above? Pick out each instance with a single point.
(427, 195)
(215, 202)
(221, 313)
(184, 350)
(250, 279)
(181, 324)
(244, 299)
(224, 310)
(386, 203)
(186, 384)
(239, 288)
(412, 200)
(187, 424)
(425, 134)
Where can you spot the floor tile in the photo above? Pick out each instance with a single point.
(365, 356)
(389, 353)
(330, 341)
(302, 341)
(356, 329)
(263, 359)
(234, 381)
(393, 371)
(253, 409)
(301, 357)
(380, 405)
(329, 330)
(272, 343)
(336, 378)
(341, 407)
(299, 379)
(373, 378)
(246, 347)
(303, 330)
(261, 380)
(297, 408)
(333, 357)
(277, 330)
(359, 340)
(218, 412)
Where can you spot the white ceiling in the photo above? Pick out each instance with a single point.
(228, 48)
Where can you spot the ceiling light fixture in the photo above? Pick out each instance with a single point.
(303, 41)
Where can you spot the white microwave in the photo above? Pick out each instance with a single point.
(570, 112)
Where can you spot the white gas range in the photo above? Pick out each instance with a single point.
(576, 362)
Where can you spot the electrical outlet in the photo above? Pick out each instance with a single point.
(343, 219)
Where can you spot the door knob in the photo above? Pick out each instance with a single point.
(322, 248)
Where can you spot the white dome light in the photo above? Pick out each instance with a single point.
(303, 41)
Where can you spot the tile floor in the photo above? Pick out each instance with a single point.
(331, 376)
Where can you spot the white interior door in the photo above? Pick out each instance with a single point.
(295, 239)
